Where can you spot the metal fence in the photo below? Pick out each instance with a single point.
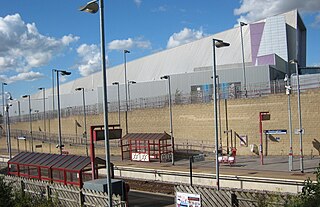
(253, 91)
(211, 197)
(63, 195)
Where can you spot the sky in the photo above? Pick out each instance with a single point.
(37, 36)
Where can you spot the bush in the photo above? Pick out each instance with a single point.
(6, 196)
(9, 198)
(310, 195)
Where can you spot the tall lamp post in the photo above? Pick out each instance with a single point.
(84, 118)
(118, 85)
(299, 113)
(64, 73)
(30, 121)
(167, 77)
(288, 92)
(44, 116)
(126, 87)
(130, 82)
(216, 43)
(93, 7)
(243, 64)
(3, 108)
(9, 97)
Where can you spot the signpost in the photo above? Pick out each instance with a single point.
(195, 158)
(263, 116)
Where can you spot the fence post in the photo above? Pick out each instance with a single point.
(80, 198)
(48, 192)
(234, 200)
(22, 187)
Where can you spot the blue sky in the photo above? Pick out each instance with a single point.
(37, 36)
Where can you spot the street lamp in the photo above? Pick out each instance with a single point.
(130, 82)
(64, 73)
(167, 77)
(3, 116)
(93, 7)
(84, 118)
(218, 44)
(118, 84)
(44, 116)
(288, 92)
(9, 97)
(126, 87)
(30, 122)
(3, 109)
(299, 113)
(243, 64)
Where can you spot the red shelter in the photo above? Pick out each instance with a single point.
(66, 169)
(146, 147)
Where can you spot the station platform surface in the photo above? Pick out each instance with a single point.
(273, 166)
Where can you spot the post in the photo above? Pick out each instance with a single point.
(85, 120)
(8, 131)
(105, 102)
(227, 124)
(260, 146)
(243, 63)
(126, 87)
(215, 112)
(190, 166)
(171, 126)
(119, 103)
(288, 92)
(300, 118)
(59, 114)
(92, 7)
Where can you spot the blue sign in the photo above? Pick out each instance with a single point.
(275, 131)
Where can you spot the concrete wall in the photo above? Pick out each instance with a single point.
(194, 123)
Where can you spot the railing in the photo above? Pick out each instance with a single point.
(254, 91)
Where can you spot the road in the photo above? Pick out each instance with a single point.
(146, 199)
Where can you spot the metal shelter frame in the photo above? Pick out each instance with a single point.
(146, 147)
(66, 169)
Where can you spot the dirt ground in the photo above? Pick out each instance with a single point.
(151, 186)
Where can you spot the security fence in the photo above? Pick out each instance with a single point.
(196, 96)
(63, 195)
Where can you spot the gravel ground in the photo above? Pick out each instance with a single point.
(151, 186)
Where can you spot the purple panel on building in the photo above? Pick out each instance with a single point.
(266, 60)
(256, 31)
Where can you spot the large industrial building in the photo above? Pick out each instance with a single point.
(268, 45)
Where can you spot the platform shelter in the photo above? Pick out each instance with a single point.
(146, 147)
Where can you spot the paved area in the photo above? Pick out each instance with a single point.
(273, 167)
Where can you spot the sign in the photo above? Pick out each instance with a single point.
(198, 158)
(243, 140)
(188, 200)
(265, 117)
(275, 131)
(297, 131)
(140, 157)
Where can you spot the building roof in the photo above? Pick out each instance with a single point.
(146, 136)
(55, 161)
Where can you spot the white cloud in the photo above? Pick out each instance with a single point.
(23, 47)
(90, 59)
(129, 43)
(316, 22)
(253, 10)
(184, 36)
(28, 76)
(138, 2)
(162, 8)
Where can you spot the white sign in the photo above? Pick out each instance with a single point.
(297, 131)
(140, 157)
(187, 200)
